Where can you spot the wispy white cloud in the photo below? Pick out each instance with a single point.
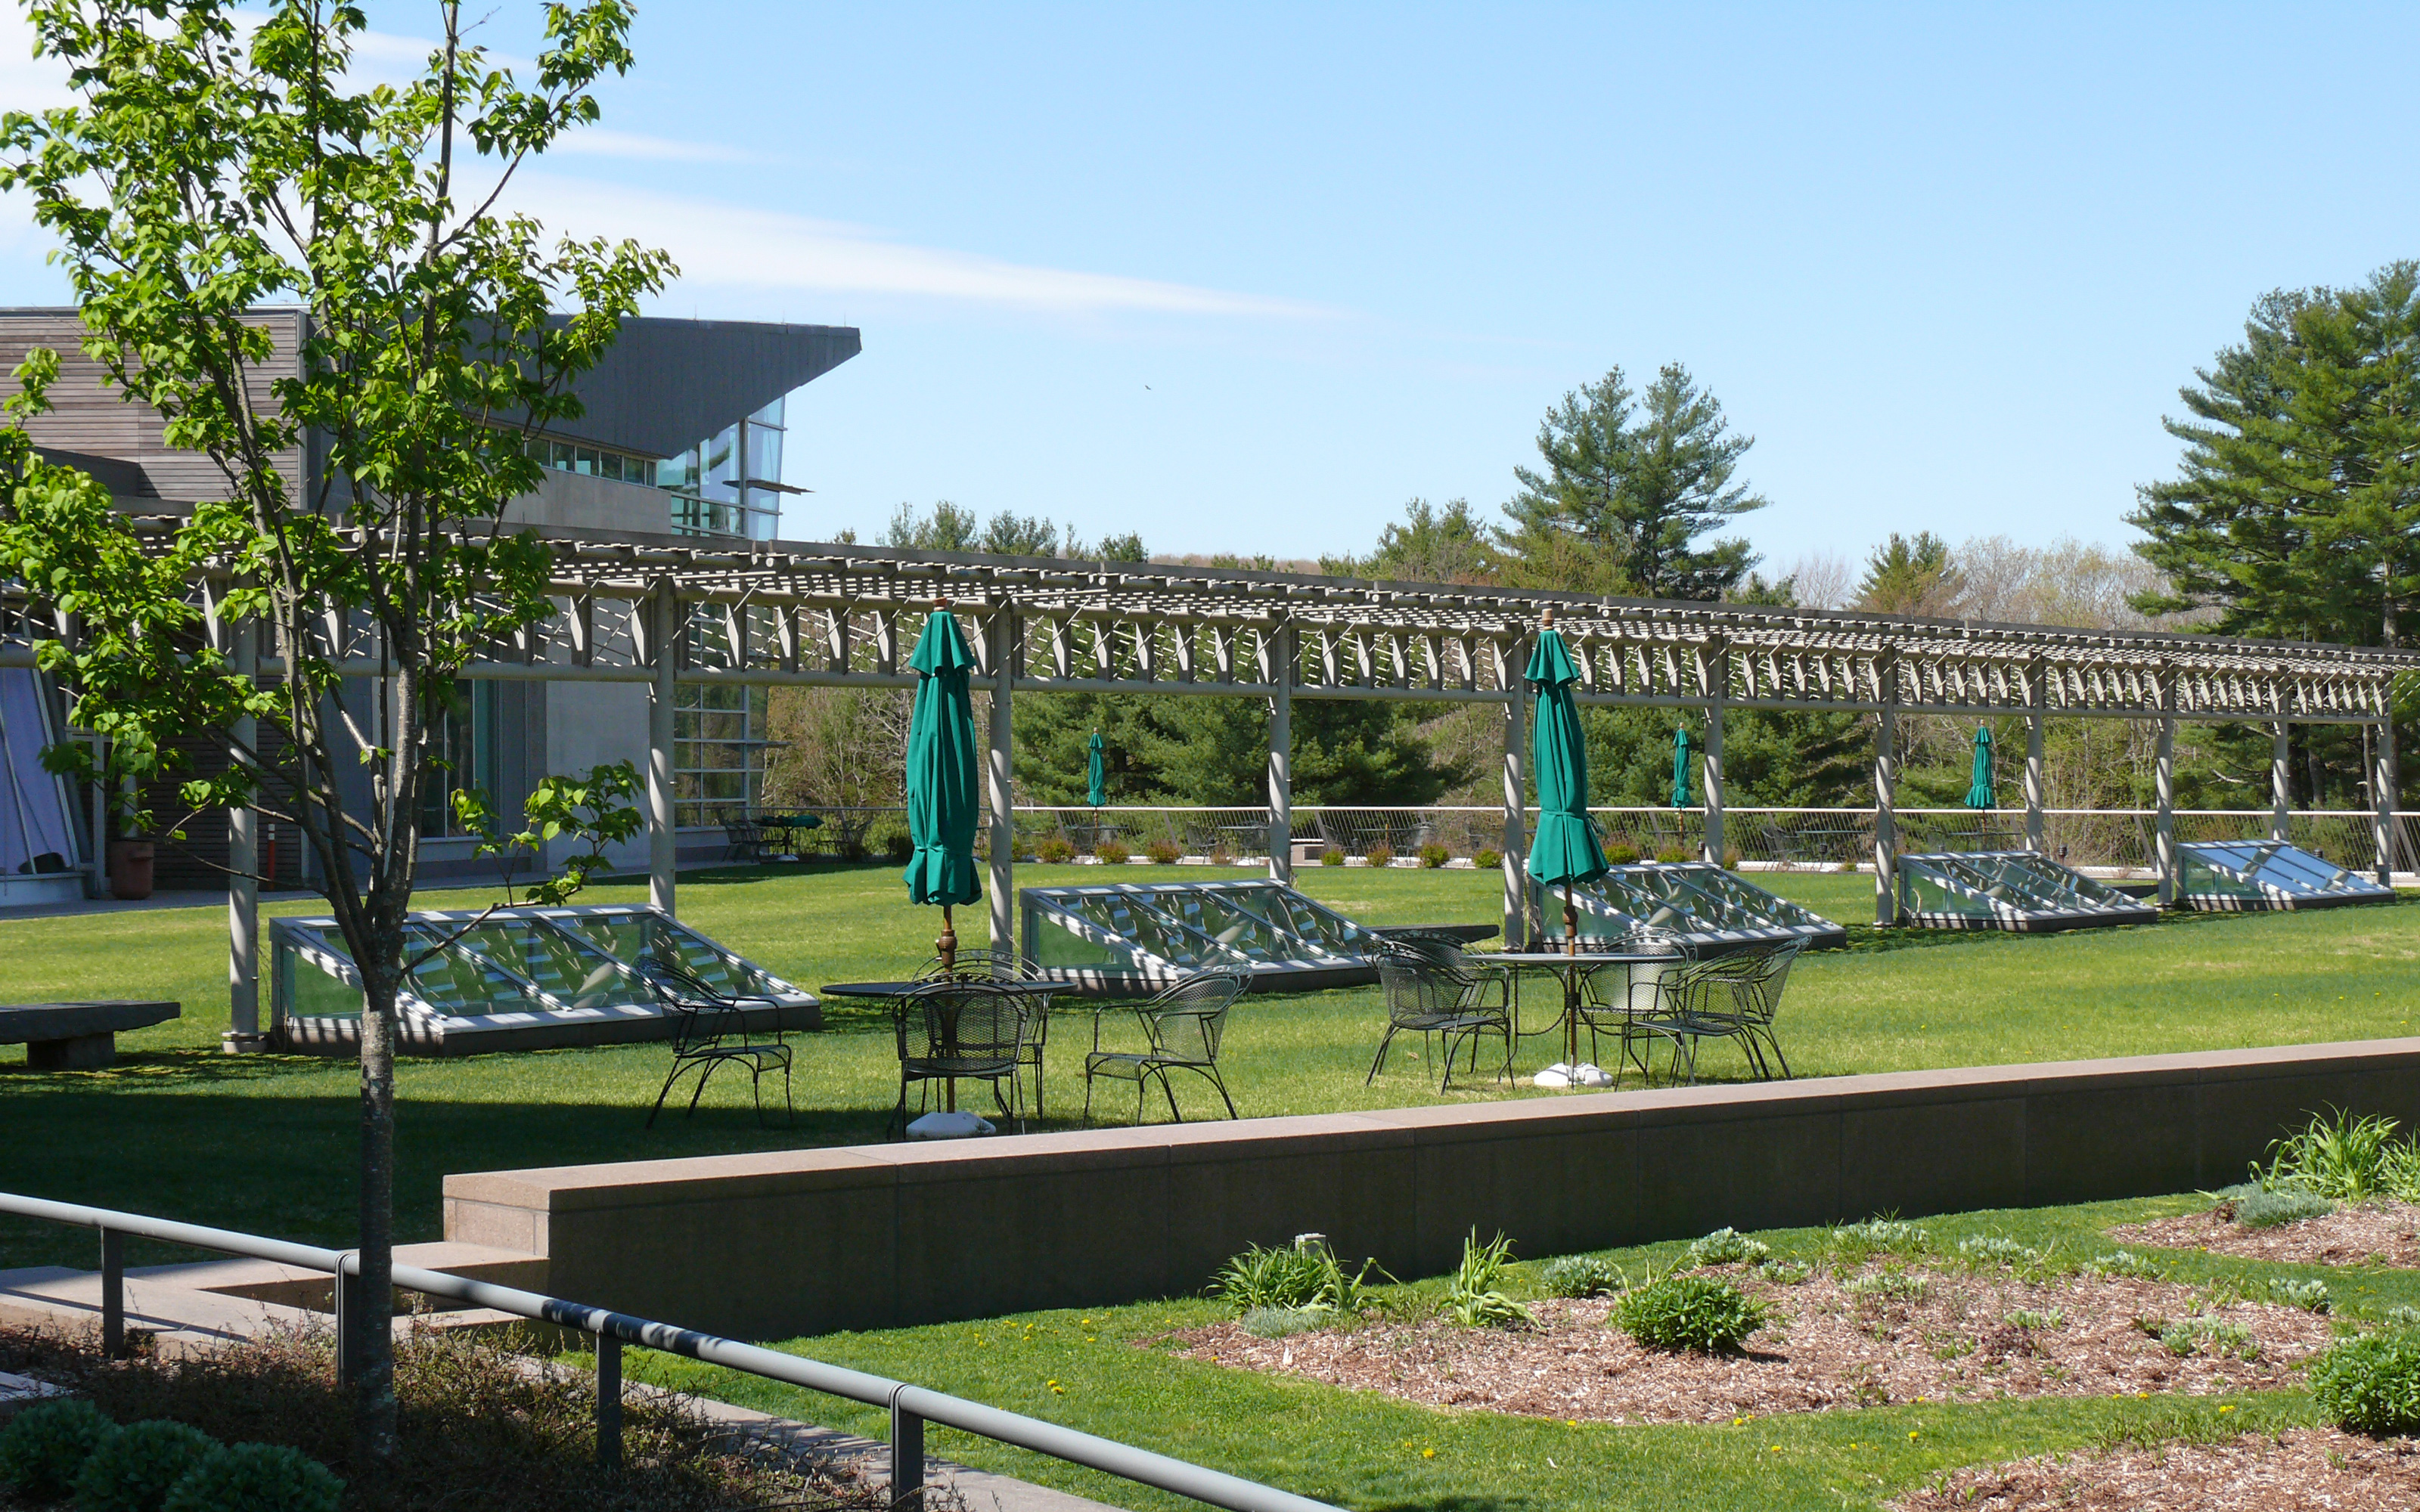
(723, 244)
(603, 142)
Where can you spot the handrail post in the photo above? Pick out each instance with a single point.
(348, 1319)
(112, 1294)
(609, 1401)
(907, 1457)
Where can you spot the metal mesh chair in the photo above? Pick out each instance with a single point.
(984, 964)
(1735, 997)
(1431, 991)
(1183, 1025)
(1628, 1000)
(962, 1031)
(710, 1031)
(746, 839)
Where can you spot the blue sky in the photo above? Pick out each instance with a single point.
(1247, 278)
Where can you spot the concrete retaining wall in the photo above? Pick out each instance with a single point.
(803, 1241)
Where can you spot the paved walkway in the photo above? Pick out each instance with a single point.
(203, 1305)
(132, 905)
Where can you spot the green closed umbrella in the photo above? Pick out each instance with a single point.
(1980, 795)
(944, 794)
(1565, 849)
(1680, 769)
(1097, 793)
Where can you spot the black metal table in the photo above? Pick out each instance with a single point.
(1570, 968)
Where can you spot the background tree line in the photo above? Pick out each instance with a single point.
(2292, 516)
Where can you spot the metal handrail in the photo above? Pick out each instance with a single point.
(910, 1407)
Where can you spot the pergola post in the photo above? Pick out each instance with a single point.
(1516, 801)
(2164, 786)
(1716, 680)
(663, 840)
(2384, 792)
(997, 793)
(2036, 839)
(1281, 759)
(1886, 794)
(2281, 787)
(243, 889)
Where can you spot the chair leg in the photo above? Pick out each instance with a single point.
(1385, 1040)
(1088, 1098)
(1221, 1081)
(665, 1092)
(1169, 1092)
(706, 1070)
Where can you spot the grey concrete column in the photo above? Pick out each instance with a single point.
(1281, 761)
(1887, 795)
(999, 794)
(663, 840)
(1516, 804)
(243, 892)
(2163, 784)
(1717, 684)
(2384, 778)
(2281, 785)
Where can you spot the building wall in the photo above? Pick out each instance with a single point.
(86, 417)
(572, 501)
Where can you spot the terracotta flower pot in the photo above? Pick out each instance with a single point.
(130, 868)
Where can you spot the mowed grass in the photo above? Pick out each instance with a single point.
(267, 1143)
(1114, 1376)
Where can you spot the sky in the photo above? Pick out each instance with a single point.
(1247, 278)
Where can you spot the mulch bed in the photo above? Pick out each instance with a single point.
(2295, 1471)
(1828, 1347)
(2369, 1233)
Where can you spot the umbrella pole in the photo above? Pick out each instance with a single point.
(1571, 981)
(947, 947)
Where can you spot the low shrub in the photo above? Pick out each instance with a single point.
(2124, 1263)
(1730, 858)
(1282, 1323)
(1477, 1299)
(1788, 1273)
(131, 1470)
(1164, 852)
(2403, 1315)
(1675, 856)
(1581, 1275)
(1689, 1312)
(2289, 1205)
(2372, 1385)
(1434, 855)
(2309, 1294)
(1304, 1277)
(1054, 850)
(2027, 1320)
(1889, 1285)
(1725, 1246)
(2346, 1158)
(1620, 853)
(45, 1447)
(1487, 860)
(1881, 1234)
(1993, 1249)
(1331, 857)
(1112, 853)
(256, 1477)
(1381, 854)
(2207, 1335)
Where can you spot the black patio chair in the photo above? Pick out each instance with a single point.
(710, 1031)
(983, 963)
(1430, 990)
(745, 838)
(1184, 1026)
(1629, 1000)
(963, 1030)
(1735, 997)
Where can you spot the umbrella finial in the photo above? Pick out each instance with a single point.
(1546, 618)
(942, 602)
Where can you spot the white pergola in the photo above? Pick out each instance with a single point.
(796, 614)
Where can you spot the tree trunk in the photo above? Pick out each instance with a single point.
(372, 1321)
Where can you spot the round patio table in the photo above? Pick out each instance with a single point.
(1569, 969)
(1014, 987)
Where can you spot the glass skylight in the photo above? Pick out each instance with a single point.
(2009, 890)
(1702, 905)
(515, 980)
(1138, 936)
(2231, 875)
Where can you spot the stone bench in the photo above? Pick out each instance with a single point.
(76, 1036)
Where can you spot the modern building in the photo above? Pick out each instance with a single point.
(683, 431)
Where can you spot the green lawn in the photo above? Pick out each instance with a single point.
(1363, 1450)
(266, 1144)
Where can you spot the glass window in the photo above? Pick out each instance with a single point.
(769, 415)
